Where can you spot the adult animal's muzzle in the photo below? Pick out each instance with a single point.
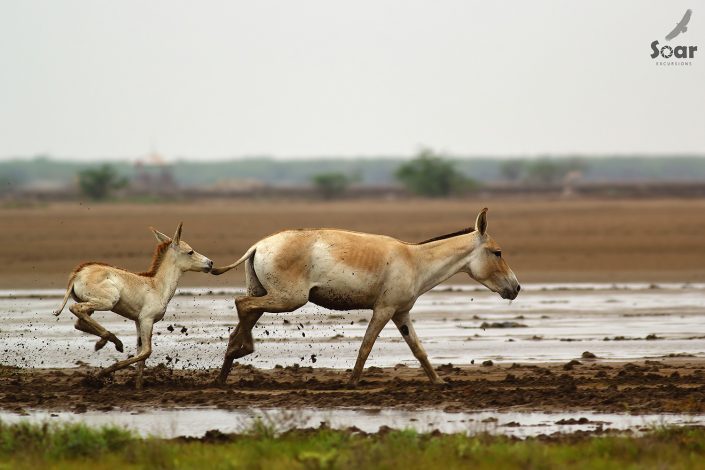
(510, 293)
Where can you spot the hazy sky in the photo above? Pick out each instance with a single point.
(205, 79)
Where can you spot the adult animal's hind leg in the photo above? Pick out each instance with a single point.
(254, 286)
(84, 310)
(380, 317)
(249, 311)
(254, 289)
(403, 322)
(242, 331)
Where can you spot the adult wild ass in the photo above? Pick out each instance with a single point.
(346, 270)
(141, 297)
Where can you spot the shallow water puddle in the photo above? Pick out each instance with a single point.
(461, 324)
(195, 422)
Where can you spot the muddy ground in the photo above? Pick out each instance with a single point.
(601, 241)
(571, 240)
(672, 385)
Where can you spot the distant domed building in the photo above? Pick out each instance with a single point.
(153, 175)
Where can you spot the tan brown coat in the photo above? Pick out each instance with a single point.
(343, 270)
(141, 297)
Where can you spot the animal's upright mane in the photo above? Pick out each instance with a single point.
(464, 231)
(157, 259)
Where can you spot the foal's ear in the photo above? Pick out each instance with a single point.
(161, 238)
(177, 235)
(481, 222)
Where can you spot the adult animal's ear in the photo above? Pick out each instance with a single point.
(161, 238)
(177, 235)
(481, 222)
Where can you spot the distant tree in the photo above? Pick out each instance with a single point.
(331, 185)
(432, 176)
(11, 180)
(5, 183)
(544, 171)
(512, 170)
(98, 183)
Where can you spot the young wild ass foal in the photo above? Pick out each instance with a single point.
(345, 270)
(141, 297)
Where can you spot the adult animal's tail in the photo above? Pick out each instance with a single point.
(248, 253)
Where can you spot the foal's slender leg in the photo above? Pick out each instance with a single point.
(83, 311)
(380, 317)
(141, 364)
(406, 328)
(249, 311)
(85, 327)
(145, 332)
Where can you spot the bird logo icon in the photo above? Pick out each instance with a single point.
(681, 27)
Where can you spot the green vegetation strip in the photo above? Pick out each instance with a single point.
(79, 446)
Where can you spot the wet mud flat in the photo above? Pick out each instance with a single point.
(673, 385)
(458, 324)
(563, 357)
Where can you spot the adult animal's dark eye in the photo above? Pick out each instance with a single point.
(498, 254)
(190, 252)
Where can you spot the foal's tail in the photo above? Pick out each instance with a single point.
(69, 290)
(248, 253)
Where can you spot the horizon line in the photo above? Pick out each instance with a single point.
(388, 157)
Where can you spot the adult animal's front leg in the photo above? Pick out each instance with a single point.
(403, 322)
(380, 317)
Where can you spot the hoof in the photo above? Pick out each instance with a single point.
(118, 344)
(101, 343)
(93, 381)
(220, 382)
(438, 381)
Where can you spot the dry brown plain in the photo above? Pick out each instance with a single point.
(543, 240)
